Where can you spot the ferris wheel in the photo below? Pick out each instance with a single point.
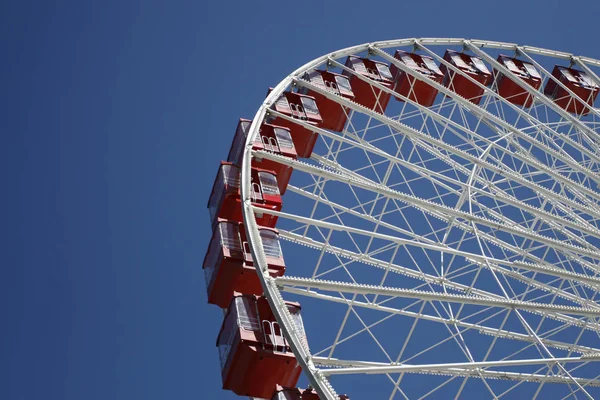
(432, 207)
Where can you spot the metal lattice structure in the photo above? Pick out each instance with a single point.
(453, 249)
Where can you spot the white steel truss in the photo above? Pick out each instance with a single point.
(458, 242)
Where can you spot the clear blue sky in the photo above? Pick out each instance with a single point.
(115, 115)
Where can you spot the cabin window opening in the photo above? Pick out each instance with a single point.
(409, 61)
(247, 314)
(239, 140)
(479, 65)
(230, 235)
(228, 333)
(284, 138)
(358, 65)
(510, 64)
(459, 62)
(431, 65)
(587, 80)
(282, 103)
(310, 106)
(315, 78)
(532, 71)
(270, 242)
(384, 71)
(231, 175)
(343, 83)
(567, 74)
(268, 183)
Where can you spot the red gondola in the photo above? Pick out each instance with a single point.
(225, 199)
(419, 91)
(228, 265)
(472, 66)
(579, 83)
(275, 139)
(512, 91)
(334, 115)
(365, 94)
(299, 394)
(302, 107)
(255, 357)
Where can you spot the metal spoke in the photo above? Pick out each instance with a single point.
(458, 241)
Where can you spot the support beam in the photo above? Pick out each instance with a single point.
(448, 283)
(398, 369)
(483, 329)
(347, 287)
(442, 211)
(466, 373)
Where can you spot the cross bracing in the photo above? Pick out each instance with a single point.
(457, 242)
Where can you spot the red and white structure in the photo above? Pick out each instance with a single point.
(255, 356)
(272, 138)
(228, 265)
(573, 90)
(299, 107)
(334, 115)
(225, 199)
(446, 244)
(407, 85)
(513, 90)
(476, 75)
(362, 72)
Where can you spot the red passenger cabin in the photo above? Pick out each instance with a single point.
(419, 91)
(365, 94)
(255, 357)
(299, 394)
(579, 83)
(275, 139)
(334, 115)
(304, 108)
(228, 265)
(512, 91)
(225, 199)
(471, 66)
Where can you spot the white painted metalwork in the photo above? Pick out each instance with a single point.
(454, 247)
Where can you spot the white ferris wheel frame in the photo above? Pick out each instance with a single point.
(272, 286)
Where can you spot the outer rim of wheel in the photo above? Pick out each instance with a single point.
(317, 380)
